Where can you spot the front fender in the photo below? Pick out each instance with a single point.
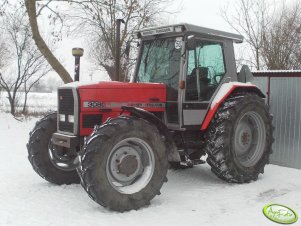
(173, 154)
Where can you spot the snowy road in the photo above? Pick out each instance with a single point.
(191, 197)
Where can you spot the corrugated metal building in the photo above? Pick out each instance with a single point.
(283, 89)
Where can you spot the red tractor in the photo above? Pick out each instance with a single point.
(186, 101)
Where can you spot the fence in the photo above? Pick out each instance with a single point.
(283, 89)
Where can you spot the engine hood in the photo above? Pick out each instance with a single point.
(120, 85)
(114, 95)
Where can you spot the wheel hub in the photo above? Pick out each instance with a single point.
(125, 164)
(243, 138)
(128, 165)
(249, 139)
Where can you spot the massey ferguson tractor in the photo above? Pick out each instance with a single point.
(185, 101)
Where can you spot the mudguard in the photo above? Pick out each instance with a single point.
(173, 154)
(225, 90)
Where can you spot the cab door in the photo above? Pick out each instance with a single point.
(160, 62)
(205, 69)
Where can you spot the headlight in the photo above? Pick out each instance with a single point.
(71, 118)
(62, 117)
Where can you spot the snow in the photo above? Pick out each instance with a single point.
(225, 88)
(191, 197)
(77, 84)
(36, 103)
(277, 71)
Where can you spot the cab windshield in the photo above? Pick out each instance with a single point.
(160, 61)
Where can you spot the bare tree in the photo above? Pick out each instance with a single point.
(251, 19)
(98, 20)
(282, 40)
(35, 69)
(28, 64)
(3, 52)
(273, 33)
(33, 13)
(4, 56)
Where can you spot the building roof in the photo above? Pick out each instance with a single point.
(276, 72)
(190, 28)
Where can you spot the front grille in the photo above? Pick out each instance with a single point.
(66, 126)
(89, 121)
(66, 101)
(66, 107)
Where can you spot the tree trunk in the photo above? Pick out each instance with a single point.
(257, 60)
(25, 103)
(111, 71)
(12, 105)
(12, 109)
(52, 60)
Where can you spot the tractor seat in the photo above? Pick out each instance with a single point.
(203, 72)
(191, 84)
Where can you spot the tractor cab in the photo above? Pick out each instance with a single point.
(193, 62)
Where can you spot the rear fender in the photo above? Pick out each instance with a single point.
(225, 91)
(173, 154)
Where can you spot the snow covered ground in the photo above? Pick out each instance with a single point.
(191, 197)
(36, 103)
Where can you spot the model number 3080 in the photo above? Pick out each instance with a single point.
(93, 104)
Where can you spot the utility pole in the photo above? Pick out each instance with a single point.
(117, 49)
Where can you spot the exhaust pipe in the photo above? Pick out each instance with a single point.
(77, 53)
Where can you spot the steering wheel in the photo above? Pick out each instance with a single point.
(215, 78)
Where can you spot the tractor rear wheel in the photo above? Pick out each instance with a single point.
(239, 138)
(123, 164)
(51, 164)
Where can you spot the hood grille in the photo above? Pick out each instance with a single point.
(66, 107)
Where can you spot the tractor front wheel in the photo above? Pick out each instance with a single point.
(52, 164)
(123, 164)
(239, 138)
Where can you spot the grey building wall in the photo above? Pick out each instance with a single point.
(262, 83)
(285, 106)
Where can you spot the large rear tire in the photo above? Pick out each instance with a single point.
(123, 164)
(239, 138)
(41, 154)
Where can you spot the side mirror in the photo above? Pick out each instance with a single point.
(245, 75)
(191, 43)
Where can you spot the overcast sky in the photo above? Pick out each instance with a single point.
(204, 13)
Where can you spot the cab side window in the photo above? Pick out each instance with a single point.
(205, 70)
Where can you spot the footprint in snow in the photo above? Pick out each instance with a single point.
(271, 194)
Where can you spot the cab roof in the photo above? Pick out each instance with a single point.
(189, 29)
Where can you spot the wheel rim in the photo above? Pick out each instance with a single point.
(61, 160)
(249, 139)
(130, 165)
